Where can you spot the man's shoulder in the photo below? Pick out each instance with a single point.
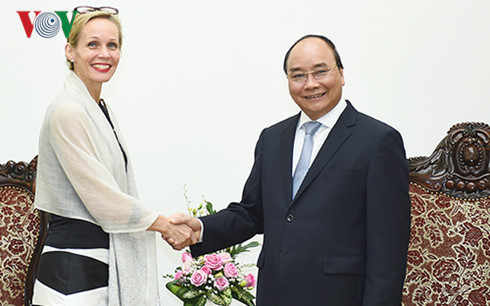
(367, 122)
(374, 125)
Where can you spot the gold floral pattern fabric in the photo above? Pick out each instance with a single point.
(19, 228)
(449, 251)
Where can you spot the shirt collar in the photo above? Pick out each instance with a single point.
(329, 119)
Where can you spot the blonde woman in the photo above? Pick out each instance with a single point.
(100, 249)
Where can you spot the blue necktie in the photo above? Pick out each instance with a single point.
(304, 160)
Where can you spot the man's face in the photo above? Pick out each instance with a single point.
(315, 82)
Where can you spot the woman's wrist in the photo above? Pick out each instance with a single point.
(160, 225)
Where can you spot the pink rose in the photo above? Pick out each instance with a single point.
(198, 278)
(213, 261)
(178, 275)
(221, 283)
(207, 270)
(250, 279)
(230, 270)
(186, 256)
(225, 257)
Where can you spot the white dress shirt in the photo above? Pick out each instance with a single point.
(328, 121)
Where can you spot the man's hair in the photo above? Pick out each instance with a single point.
(338, 62)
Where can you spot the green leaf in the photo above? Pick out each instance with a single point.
(227, 296)
(209, 207)
(180, 292)
(201, 301)
(216, 298)
(239, 248)
(176, 289)
(242, 295)
(191, 293)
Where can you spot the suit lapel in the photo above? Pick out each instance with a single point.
(336, 138)
(286, 152)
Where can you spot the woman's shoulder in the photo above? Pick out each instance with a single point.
(65, 110)
(65, 106)
(69, 101)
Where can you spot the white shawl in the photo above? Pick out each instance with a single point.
(81, 174)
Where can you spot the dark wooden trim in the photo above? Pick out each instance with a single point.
(459, 165)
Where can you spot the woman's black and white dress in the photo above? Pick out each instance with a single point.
(74, 265)
(83, 178)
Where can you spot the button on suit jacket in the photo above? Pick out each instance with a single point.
(343, 239)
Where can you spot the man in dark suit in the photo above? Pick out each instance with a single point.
(342, 237)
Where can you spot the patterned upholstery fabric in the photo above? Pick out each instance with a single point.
(449, 250)
(19, 229)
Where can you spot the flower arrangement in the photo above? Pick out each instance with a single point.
(217, 277)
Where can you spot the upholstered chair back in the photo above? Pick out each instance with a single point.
(21, 234)
(449, 251)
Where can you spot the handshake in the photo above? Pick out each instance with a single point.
(179, 230)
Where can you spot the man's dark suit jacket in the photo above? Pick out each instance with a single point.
(343, 239)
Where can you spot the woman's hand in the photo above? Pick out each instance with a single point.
(178, 236)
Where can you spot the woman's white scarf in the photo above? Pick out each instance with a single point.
(81, 174)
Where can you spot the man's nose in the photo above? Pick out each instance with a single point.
(311, 81)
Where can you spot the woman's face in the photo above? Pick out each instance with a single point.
(97, 53)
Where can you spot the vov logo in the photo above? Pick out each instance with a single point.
(46, 24)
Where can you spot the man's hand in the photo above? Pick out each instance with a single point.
(178, 236)
(193, 223)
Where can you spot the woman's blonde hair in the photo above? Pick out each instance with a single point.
(82, 19)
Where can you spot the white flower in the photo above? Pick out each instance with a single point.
(187, 267)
